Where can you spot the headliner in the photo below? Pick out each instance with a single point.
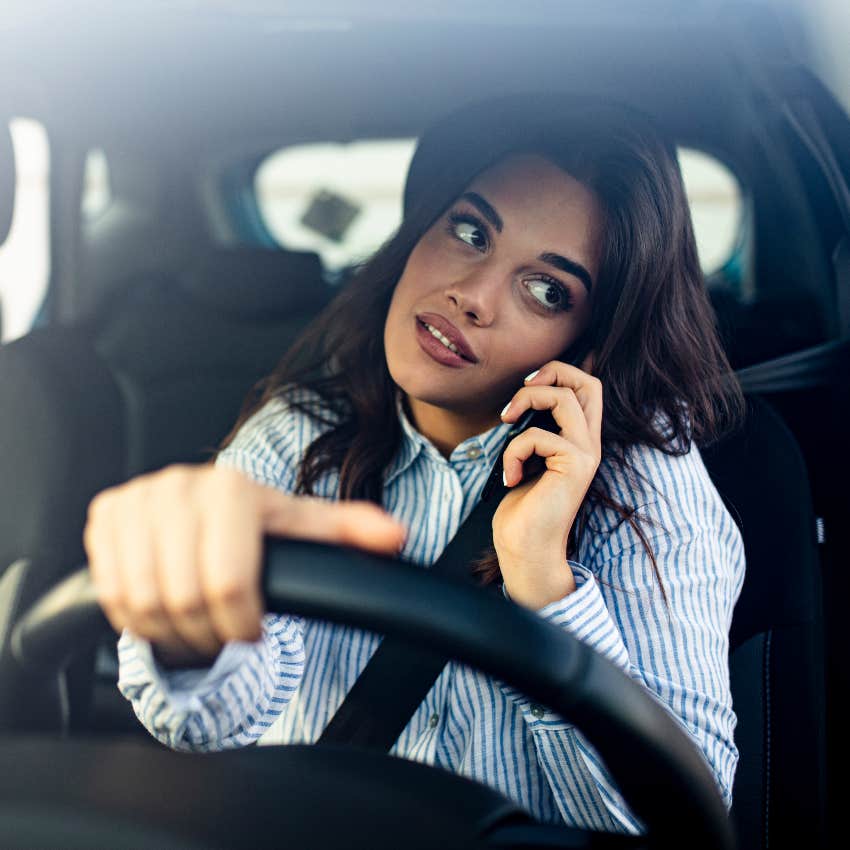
(198, 78)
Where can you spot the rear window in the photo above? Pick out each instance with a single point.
(716, 203)
(341, 201)
(344, 200)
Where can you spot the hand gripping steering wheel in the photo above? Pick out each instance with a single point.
(331, 796)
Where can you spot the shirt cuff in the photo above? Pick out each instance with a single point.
(183, 688)
(584, 615)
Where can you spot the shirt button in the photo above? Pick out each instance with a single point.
(434, 720)
(538, 711)
(473, 453)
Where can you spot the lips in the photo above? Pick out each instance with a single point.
(448, 330)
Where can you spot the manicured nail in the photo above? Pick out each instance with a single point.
(506, 408)
(504, 478)
(531, 376)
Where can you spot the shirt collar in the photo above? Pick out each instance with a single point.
(482, 449)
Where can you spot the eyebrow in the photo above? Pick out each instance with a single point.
(565, 265)
(570, 267)
(485, 208)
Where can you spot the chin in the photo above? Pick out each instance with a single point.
(457, 399)
(448, 389)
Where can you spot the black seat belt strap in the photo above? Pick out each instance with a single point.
(399, 676)
(820, 366)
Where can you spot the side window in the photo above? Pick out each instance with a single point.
(341, 201)
(715, 199)
(25, 255)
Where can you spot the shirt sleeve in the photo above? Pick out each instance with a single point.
(237, 699)
(677, 649)
(231, 704)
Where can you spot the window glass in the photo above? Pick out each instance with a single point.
(343, 201)
(714, 196)
(25, 255)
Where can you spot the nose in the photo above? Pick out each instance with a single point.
(476, 295)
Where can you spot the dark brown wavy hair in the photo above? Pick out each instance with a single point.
(666, 379)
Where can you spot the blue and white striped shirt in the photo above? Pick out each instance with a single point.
(287, 686)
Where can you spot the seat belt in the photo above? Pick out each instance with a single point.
(399, 676)
(822, 365)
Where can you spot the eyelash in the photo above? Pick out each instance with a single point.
(467, 218)
(565, 302)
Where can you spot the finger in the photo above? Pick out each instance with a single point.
(535, 441)
(100, 552)
(563, 405)
(359, 524)
(587, 388)
(136, 553)
(229, 548)
(178, 575)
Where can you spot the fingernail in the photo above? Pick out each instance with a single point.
(531, 376)
(504, 478)
(505, 410)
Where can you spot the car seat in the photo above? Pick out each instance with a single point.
(776, 641)
(186, 351)
(156, 376)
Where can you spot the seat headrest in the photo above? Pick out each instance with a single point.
(256, 282)
(7, 182)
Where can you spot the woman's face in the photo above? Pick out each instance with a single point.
(505, 276)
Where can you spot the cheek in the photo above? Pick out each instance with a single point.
(408, 291)
(412, 282)
(533, 338)
(424, 274)
(420, 271)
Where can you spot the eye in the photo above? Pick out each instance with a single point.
(551, 294)
(468, 229)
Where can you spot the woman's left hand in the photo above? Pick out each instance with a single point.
(533, 521)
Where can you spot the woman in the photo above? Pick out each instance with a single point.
(526, 240)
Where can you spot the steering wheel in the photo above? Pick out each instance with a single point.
(110, 793)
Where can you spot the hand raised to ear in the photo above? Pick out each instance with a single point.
(533, 522)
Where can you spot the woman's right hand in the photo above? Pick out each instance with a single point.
(175, 554)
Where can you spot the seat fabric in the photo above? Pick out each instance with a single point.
(776, 643)
(62, 439)
(186, 351)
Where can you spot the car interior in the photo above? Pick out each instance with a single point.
(164, 311)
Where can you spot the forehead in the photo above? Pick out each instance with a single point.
(537, 200)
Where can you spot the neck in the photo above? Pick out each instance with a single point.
(447, 429)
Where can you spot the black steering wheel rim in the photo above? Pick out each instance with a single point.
(656, 766)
